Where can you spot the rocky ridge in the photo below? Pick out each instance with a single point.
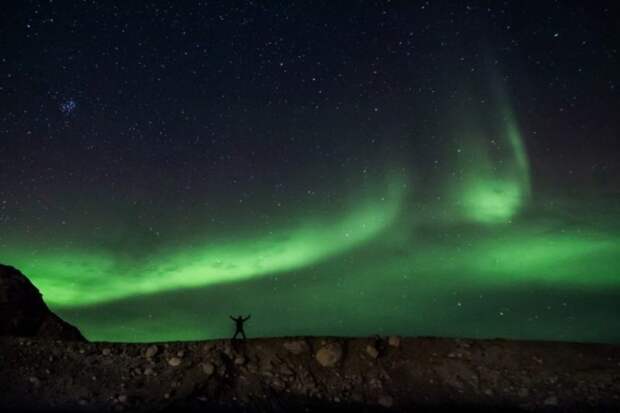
(24, 313)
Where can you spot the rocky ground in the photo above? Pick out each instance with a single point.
(318, 374)
(47, 365)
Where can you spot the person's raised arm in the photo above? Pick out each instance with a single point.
(232, 318)
(248, 317)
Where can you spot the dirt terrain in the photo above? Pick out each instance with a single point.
(55, 369)
(285, 373)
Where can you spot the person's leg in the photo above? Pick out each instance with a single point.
(235, 336)
(243, 334)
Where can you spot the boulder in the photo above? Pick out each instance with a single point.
(151, 351)
(208, 368)
(329, 355)
(372, 351)
(174, 361)
(394, 341)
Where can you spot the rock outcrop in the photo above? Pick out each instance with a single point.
(24, 313)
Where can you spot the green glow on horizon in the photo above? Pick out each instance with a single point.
(404, 286)
(525, 254)
(75, 278)
(577, 258)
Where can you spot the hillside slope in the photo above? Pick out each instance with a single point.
(24, 313)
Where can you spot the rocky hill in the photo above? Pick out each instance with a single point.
(24, 313)
(307, 374)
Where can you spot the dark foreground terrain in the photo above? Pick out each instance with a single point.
(47, 365)
(312, 374)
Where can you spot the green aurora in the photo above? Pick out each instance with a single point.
(380, 265)
(313, 240)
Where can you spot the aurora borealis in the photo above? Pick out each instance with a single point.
(417, 169)
(204, 264)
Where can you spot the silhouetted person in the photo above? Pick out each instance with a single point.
(239, 325)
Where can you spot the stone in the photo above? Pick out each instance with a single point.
(228, 350)
(296, 346)
(208, 347)
(551, 401)
(278, 384)
(239, 360)
(372, 351)
(106, 351)
(122, 398)
(208, 368)
(394, 341)
(329, 355)
(174, 361)
(151, 351)
(386, 401)
(286, 371)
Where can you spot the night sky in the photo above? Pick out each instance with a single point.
(333, 168)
